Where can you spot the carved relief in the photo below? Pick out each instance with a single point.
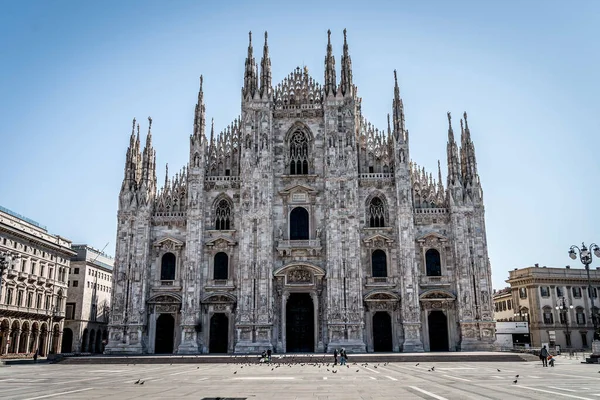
(299, 276)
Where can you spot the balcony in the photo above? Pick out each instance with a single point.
(11, 273)
(22, 276)
(31, 278)
(41, 280)
(380, 282)
(434, 281)
(309, 247)
(220, 284)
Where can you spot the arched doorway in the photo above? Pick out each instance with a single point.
(219, 331)
(23, 338)
(300, 323)
(165, 334)
(84, 341)
(14, 337)
(382, 331)
(438, 331)
(90, 347)
(4, 328)
(34, 337)
(67, 341)
(54, 348)
(43, 340)
(98, 342)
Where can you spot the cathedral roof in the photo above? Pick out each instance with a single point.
(298, 89)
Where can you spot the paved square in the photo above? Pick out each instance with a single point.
(464, 380)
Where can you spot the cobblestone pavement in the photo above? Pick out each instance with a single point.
(440, 380)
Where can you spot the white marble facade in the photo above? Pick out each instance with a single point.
(301, 227)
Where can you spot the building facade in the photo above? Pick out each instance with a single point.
(512, 325)
(88, 302)
(34, 286)
(557, 303)
(301, 227)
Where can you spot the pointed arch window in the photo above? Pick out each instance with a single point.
(299, 224)
(298, 153)
(376, 213)
(433, 264)
(379, 264)
(221, 266)
(223, 216)
(167, 267)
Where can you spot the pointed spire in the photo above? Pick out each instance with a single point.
(166, 177)
(440, 184)
(346, 85)
(452, 154)
(149, 136)
(250, 72)
(398, 112)
(467, 153)
(389, 130)
(265, 74)
(330, 79)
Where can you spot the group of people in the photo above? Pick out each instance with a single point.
(342, 354)
(266, 356)
(546, 357)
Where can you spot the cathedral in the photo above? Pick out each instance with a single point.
(301, 227)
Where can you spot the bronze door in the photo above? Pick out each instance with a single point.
(300, 325)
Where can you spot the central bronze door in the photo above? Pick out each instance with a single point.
(300, 324)
(219, 332)
(382, 331)
(165, 334)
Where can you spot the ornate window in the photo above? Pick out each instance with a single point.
(433, 264)
(299, 224)
(298, 153)
(580, 316)
(221, 266)
(577, 292)
(548, 317)
(559, 292)
(376, 213)
(522, 293)
(545, 291)
(167, 267)
(223, 216)
(379, 264)
(584, 341)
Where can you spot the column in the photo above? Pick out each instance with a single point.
(27, 340)
(284, 299)
(17, 340)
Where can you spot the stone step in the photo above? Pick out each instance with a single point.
(300, 358)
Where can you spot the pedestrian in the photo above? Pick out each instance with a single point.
(35, 355)
(269, 352)
(544, 356)
(551, 360)
(343, 357)
(335, 355)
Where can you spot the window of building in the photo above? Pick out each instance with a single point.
(51, 273)
(433, 263)
(523, 293)
(592, 292)
(9, 295)
(47, 302)
(568, 339)
(38, 301)
(379, 264)
(376, 213)
(299, 224)
(584, 340)
(75, 283)
(580, 316)
(548, 316)
(23, 265)
(42, 269)
(576, 292)
(562, 316)
(221, 267)
(32, 270)
(509, 304)
(29, 299)
(559, 292)
(19, 298)
(167, 268)
(70, 311)
(545, 291)
(298, 153)
(223, 216)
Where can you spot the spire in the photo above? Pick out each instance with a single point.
(148, 165)
(250, 73)
(265, 73)
(166, 177)
(452, 154)
(467, 153)
(398, 112)
(346, 85)
(389, 130)
(200, 113)
(330, 80)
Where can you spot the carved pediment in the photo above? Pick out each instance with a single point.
(378, 240)
(313, 269)
(221, 242)
(432, 237)
(380, 295)
(437, 295)
(168, 243)
(298, 189)
(169, 298)
(212, 298)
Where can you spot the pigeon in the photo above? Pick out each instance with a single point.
(515, 381)
(347, 366)
(197, 367)
(334, 371)
(498, 370)
(428, 370)
(417, 365)
(142, 382)
(375, 366)
(136, 382)
(516, 376)
(433, 368)
(356, 370)
(234, 372)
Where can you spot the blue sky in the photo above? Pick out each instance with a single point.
(74, 74)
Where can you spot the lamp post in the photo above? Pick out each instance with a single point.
(564, 310)
(526, 314)
(585, 255)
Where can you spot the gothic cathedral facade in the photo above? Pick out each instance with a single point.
(301, 228)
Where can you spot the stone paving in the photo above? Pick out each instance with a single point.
(428, 380)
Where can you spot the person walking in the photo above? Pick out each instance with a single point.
(269, 353)
(335, 355)
(35, 356)
(343, 357)
(544, 356)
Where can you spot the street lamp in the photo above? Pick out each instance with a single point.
(526, 314)
(564, 310)
(586, 258)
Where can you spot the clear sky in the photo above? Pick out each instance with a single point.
(74, 74)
